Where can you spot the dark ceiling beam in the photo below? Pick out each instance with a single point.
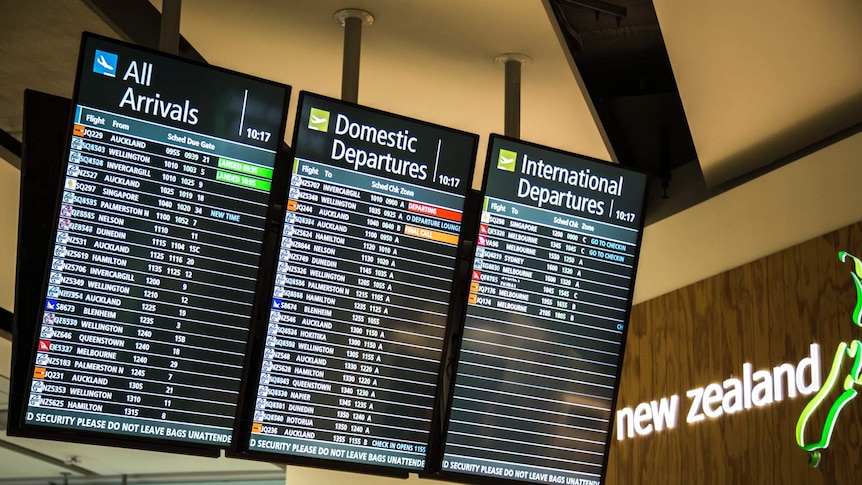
(628, 77)
(10, 149)
(139, 22)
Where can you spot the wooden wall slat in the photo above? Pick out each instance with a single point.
(827, 328)
(803, 302)
(760, 350)
(725, 327)
(774, 298)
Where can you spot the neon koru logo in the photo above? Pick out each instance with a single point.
(852, 380)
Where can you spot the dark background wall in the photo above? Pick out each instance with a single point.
(766, 313)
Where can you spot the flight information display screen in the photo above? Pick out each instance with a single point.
(362, 289)
(153, 267)
(548, 305)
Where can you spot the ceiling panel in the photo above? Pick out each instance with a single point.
(39, 50)
(432, 60)
(759, 80)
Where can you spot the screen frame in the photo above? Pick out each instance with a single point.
(254, 355)
(434, 470)
(25, 319)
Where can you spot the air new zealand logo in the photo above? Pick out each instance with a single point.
(852, 378)
(506, 160)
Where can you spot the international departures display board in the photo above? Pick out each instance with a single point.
(362, 289)
(549, 299)
(159, 228)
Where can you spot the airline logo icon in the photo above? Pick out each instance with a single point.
(44, 346)
(845, 352)
(481, 240)
(506, 160)
(51, 305)
(483, 229)
(318, 120)
(477, 275)
(105, 63)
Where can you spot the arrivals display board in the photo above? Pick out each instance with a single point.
(361, 295)
(549, 299)
(141, 332)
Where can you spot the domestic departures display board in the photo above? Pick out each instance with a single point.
(141, 335)
(549, 299)
(361, 295)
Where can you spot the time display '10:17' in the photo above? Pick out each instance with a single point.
(448, 181)
(257, 135)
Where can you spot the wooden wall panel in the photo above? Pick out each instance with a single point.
(766, 313)
(774, 346)
(760, 349)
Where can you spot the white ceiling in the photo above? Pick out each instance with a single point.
(762, 79)
(432, 60)
(758, 80)
(38, 50)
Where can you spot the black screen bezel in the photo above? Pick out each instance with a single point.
(242, 431)
(434, 470)
(24, 348)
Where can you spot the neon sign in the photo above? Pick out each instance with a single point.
(850, 351)
(751, 389)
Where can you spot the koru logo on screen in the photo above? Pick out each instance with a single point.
(507, 160)
(318, 120)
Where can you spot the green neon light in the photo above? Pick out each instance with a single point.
(857, 281)
(853, 350)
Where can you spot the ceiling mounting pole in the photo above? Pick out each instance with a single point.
(169, 35)
(512, 106)
(352, 19)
